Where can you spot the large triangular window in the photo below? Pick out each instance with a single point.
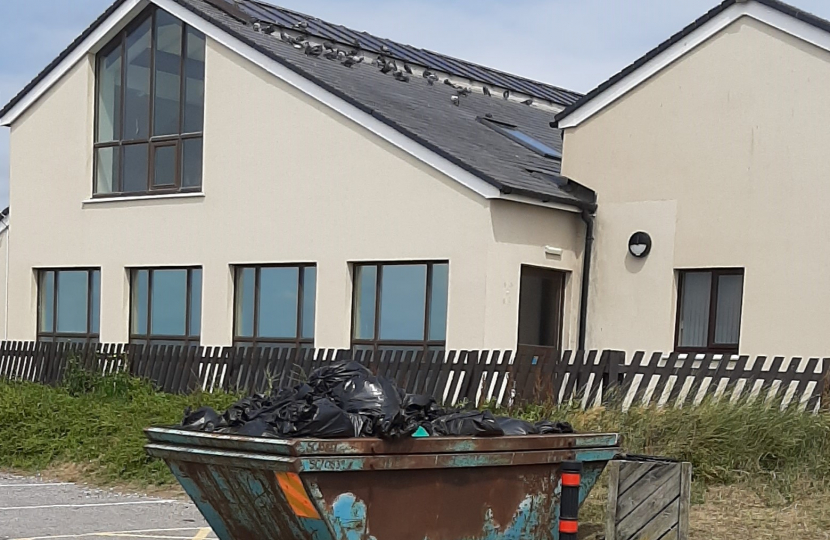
(149, 108)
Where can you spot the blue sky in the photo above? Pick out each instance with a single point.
(571, 43)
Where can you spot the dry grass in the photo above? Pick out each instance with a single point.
(731, 512)
(736, 512)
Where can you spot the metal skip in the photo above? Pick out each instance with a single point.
(505, 488)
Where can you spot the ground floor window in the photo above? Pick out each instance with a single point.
(275, 305)
(165, 306)
(541, 306)
(69, 303)
(400, 305)
(709, 310)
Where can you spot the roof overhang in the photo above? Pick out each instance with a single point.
(771, 12)
(123, 11)
(95, 37)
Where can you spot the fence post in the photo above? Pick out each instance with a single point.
(612, 376)
(825, 386)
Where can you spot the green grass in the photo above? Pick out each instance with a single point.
(96, 423)
(93, 422)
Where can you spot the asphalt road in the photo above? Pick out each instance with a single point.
(31, 509)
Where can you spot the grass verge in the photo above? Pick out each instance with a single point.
(92, 422)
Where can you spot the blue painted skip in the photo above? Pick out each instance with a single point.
(348, 519)
(205, 507)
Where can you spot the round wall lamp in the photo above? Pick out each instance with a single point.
(639, 245)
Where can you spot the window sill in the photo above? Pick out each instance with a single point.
(103, 200)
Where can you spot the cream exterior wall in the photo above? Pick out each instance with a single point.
(4, 252)
(286, 180)
(722, 158)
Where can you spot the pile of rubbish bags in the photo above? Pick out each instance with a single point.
(345, 400)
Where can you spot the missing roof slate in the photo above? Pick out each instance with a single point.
(515, 134)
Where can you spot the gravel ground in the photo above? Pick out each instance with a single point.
(33, 509)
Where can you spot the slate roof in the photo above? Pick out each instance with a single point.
(427, 115)
(792, 11)
(435, 61)
(424, 113)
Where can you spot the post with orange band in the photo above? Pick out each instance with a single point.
(569, 505)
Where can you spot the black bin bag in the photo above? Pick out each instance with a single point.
(468, 424)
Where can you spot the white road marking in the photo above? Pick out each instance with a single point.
(36, 485)
(126, 534)
(41, 507)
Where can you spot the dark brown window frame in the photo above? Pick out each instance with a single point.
(711, 346)
(255, 341)
(149, 338)
(544, 271)
(54, 336)
(151, 141)
(376, 342)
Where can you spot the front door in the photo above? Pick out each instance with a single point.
(541, 305)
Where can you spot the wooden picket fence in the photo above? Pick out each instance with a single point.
(589, 378)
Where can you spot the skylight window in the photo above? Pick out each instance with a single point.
(518, 136)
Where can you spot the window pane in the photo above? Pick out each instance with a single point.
(134, 172)
(95, 300)
(106, 170)
(194, 68)
(168, 74)
(47, 301)
(73, 295)
(137, 96)
(245, 288)
(168, 304)
(728, 316)
(192, 163)
(139, 301)
(309, 298)
(278, 299)
(438, 303)
(109, 96)
(403, 301)
(364, 294)
(195, 301)
(164, 164)
(694, 309)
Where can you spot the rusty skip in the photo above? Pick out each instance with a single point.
(487, 491)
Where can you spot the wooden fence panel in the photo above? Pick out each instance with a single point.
(473, 376)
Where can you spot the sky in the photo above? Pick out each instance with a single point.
(575, 44)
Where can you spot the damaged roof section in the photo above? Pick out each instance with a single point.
(254, 11)
(438, 114)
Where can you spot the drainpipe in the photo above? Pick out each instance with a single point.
(588, 218)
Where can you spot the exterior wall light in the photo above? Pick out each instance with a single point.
(639, 245)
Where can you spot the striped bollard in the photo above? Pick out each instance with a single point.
(569, 505)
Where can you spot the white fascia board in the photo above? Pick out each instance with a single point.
(653, 66)
(765, 14)
(534, 202)
(336, 103)
(99, 37)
